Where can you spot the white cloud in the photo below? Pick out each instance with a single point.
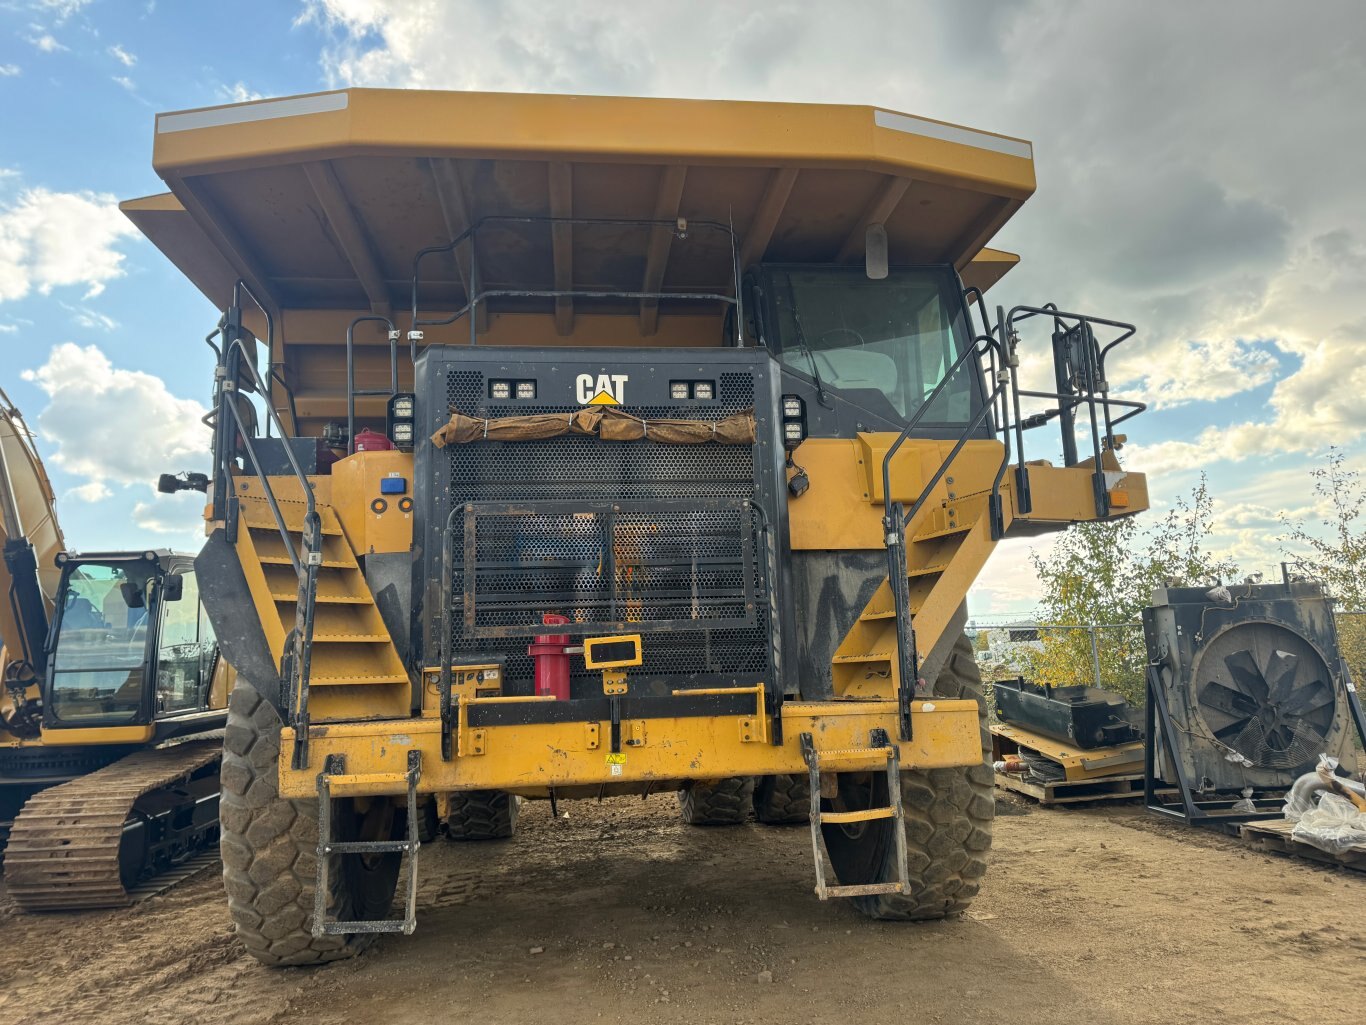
(9, 329)
(92, 319)
(46, 43)
(56, 239)
(180, 516)
(9, 70)
(94, 491)
(122, 56)
(1010, 583)
(125, 82)
(64, 9)
(237, 93)
(115, 426)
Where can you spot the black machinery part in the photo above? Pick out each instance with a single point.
(1085, 716)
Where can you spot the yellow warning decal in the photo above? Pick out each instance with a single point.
(603, 398)
(616, 758)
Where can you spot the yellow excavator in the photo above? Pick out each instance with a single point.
(108, 663)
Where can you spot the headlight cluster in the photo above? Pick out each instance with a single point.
(399, 417)
(683, 390)
(502, 390)
(794, 421)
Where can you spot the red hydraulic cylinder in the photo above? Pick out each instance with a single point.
(552, 661)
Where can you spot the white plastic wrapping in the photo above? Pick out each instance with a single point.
(1334, 826)
(1300, 798)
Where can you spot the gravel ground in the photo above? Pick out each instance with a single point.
(621, 914)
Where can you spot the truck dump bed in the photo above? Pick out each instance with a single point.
(319, 202)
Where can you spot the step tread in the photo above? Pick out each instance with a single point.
(283, 560)
(862, 889)
(328, 680)
(867, 815)
(324, 599)
(925, 571)
(932, 535)
(265, 522)
(872, 656)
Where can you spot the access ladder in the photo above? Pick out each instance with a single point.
(334, 781)
(882, 754)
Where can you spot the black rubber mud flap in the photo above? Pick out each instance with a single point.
(236, 625)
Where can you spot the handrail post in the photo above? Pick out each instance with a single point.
(351, 392)
(234, 365)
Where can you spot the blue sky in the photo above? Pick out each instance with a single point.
(1199, 174)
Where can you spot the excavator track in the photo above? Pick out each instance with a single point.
(90, 842)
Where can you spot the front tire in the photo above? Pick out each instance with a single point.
(269, 849)
(948, 815)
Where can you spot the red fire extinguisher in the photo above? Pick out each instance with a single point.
(552, 661)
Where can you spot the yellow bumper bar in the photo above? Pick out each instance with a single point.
(534, 756)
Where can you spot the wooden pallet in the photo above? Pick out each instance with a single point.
(1078, 764)
(1274, 835)
(1110, 788)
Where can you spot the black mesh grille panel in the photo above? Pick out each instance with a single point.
(680, 560)
(609, 568)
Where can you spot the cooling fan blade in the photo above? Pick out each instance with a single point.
(1266, 695)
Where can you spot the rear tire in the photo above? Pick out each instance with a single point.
(721, 802)
(482, 815)
(783, 800)
(269, 849)
(948, 822)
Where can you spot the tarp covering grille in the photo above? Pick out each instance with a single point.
(608, 424)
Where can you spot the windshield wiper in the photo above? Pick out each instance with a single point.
(801, 341)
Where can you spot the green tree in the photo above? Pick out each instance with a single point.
(1104, 574)
(1334, 550)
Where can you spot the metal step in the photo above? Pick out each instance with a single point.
(880, 753)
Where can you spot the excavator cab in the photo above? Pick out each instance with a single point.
(131, 654)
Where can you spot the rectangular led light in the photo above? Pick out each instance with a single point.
(703, 390)
(500, 389)
(526, 389)
(678, 390)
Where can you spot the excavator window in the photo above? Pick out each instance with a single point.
(882, 344)
(185, 654)
(99, 659)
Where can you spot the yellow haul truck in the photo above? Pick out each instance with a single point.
(621, 446)
(104, 656)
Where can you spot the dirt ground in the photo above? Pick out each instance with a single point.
(622, 914)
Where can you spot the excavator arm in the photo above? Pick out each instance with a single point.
(30, 538)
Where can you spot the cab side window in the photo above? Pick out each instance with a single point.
(186, 652)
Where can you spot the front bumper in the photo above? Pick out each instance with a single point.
(495, 753)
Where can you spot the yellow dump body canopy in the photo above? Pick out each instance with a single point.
(320, 202)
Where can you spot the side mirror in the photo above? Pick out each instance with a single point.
(173, 587)
(132, 595)
(875, 252)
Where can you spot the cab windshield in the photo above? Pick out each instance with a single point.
(101, 647)
(883, 344)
